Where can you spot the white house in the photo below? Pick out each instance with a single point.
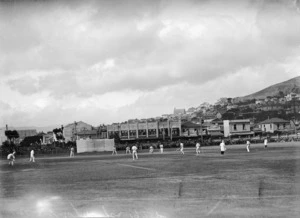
(237, 127)
(270, 125)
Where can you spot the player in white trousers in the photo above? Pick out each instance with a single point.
(151, 150)
(161, 146)
(114, 150)
(197, 148)
(128, 150)
(32, 158)
(11, 158)
(248, 146)
(72, 152)
(222, 147)
(134, 152)
(266, 142)
(181, 148)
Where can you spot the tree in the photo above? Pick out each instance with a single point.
(222, 101)
(116, 137)
(12, 135)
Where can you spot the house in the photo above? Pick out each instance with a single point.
(282, 100)
(71, 130)
(270, 125)
(237, 128)
(179, 112)
(260, 101)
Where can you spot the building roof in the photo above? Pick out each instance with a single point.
(216, 134)
(179, 111)
(189, 124)
(240, 121)
(274, 120)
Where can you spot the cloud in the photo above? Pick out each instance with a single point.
(73, 55)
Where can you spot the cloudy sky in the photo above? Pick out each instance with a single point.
(109, 61)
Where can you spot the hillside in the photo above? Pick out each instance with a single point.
(285, 87)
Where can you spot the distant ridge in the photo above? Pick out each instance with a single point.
(291, 85)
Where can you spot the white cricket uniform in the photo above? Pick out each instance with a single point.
(114, 150)
(72, 152)
(266, 143)
(11, 159)
(32, 158)
(222, 147)
(128, 150)
(151, 149)
(161, 148)
(181, 148)
(248, 146)
(198, 148)
(134, 152)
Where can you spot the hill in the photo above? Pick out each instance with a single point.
(292, 85)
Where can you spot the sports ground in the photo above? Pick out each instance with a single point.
(262, 183)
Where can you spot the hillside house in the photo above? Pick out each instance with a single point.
(270, 125)
(237, 128)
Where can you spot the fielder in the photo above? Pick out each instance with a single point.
(11, 158)
(222, 147)
(161, 146)
(181, 148)
(32, 158)
(197, 148)
(151, 150)
(128, 150)
(248, 146)
(72, 152)
(134, 152)
(114, 150)
(266, 142)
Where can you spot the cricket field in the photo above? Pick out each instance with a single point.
(262, 183)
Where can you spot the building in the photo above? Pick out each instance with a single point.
(89, 134)
(237, 128)
(179, 112)
(71, 130)
(148, 129)
(273, 124)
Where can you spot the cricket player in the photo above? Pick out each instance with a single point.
(32, 158)
(181, 148)
(151, 150)
(248, 145)
(11, 158)
(134, 152)
(128, 150)
(197, 148)
(161, 146)
(222, 146)
(72, 152)
(114, 150)
(266, 142)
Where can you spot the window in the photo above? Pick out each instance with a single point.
(234, 127)
(244, 126)
(284, 125)
(278, 126)
(270, 126)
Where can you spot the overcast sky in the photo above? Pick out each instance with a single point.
(109, 61)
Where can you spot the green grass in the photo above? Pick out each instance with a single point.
(262, 183)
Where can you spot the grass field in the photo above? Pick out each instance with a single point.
(262, 183)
